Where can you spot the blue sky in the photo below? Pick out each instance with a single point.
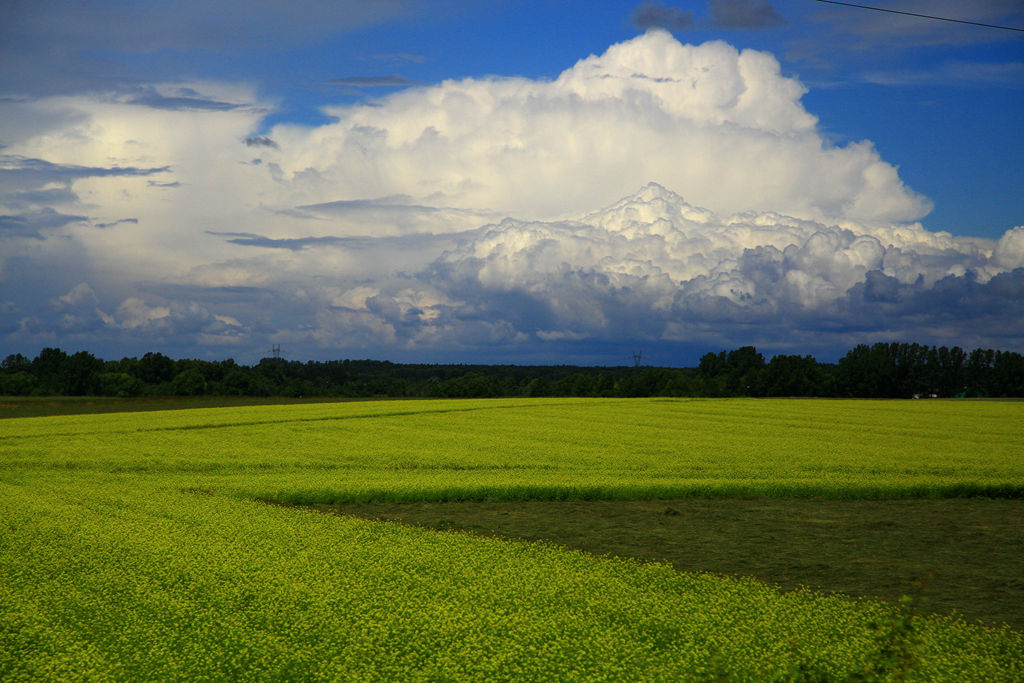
(442, 181)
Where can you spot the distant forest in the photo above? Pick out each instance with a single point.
(892, 370)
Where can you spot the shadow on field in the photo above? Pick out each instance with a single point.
(971, 550)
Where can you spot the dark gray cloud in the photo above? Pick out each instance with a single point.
(18, 173)
(260, 141)
(89, 318)
(32, 224)
(36, 198)
(133, 221)
(649, 15)
(743, 14)
(403, 203)
(183, 100)
(26, 187)
(956, 310)
(879, 287)
(951, 300)
(390, 81)
(245, 239)
(415, 241)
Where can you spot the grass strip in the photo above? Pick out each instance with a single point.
(831, 490)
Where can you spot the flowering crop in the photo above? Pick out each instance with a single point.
(132, 546)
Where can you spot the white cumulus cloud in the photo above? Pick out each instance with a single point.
(654, 264)
(708, 120)
(462, 220)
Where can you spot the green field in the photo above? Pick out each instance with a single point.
(140, 546)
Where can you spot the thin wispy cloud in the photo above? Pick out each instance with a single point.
(390, 81)
(399, 57)
(1005, 74)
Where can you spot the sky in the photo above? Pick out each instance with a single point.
(510, 181)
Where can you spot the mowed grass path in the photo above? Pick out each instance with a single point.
(962, 555)
(133, 547)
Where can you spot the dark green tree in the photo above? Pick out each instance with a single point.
(82, 374)
(191, 382)
(793, 376)
(155, 368)
(48, 368)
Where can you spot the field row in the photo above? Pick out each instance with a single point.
(555, 449)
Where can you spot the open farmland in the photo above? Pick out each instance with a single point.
(135, 546)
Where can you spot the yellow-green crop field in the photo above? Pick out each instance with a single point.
(140, 546)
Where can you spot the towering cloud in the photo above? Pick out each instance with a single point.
(708, 121)
(461, 220)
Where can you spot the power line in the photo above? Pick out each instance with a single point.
(922, 16)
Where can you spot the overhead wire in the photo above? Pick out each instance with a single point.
(922, 16)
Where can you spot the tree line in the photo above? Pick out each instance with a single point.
(883, 370)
